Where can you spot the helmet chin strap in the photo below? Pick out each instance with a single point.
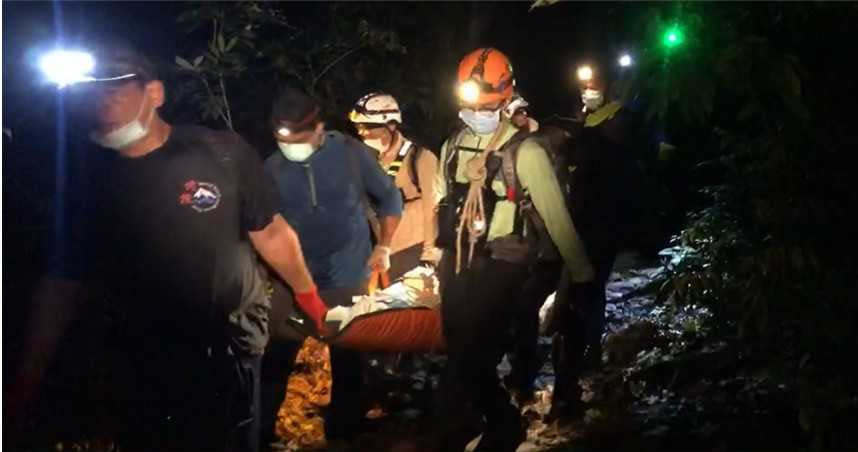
(395, 142)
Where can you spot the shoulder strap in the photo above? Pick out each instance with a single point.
(396, 164)
(451, 165)
(514, 191)
(412, 167)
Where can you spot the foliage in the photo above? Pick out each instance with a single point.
(252, 44)
(759, 253)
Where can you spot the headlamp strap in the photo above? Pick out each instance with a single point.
(304, 122)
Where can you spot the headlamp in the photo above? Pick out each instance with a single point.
(469, 92)
(67, 67)
(585, 73)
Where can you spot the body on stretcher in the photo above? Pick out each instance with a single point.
(404, 317)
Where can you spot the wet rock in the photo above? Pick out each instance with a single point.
(623, 347)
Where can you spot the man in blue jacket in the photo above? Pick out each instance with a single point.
(327, 181)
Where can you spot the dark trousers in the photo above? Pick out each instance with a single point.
(345, 412)
(194, 400)
(580, 308)
(478, 308)
(524, 359)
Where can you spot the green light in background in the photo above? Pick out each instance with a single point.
(673, 37)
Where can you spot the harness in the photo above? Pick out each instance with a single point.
(494, 170)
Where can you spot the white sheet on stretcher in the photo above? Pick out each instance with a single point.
(416, 289)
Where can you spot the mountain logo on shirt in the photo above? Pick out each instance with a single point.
(200, 196)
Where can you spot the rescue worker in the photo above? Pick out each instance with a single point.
(325, 180)
(518, 112)
(524, 358)
(378, 120)
(604, 203)
(167, 221)
(488, 234)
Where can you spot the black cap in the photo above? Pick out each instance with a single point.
(117, 60)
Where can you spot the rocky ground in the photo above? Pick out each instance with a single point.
(666, 384)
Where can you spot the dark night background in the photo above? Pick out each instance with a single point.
(755, 203)
(544, 45)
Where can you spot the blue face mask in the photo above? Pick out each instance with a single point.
(482, 122)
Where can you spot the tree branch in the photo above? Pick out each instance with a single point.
(333, 63)
(227, 111)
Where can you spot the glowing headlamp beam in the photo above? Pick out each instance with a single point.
(469, 92)
(65, 67)
(585, 73)
(625, 60)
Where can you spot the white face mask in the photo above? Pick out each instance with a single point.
(296, 152)
(592, 99)
(126, 135)
(481, 121)
(375, 143)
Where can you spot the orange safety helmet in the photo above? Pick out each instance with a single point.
(485, 77)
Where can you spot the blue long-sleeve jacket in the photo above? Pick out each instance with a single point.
(321, 199)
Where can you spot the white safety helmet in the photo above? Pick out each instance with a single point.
(515, 103)
(376, 108)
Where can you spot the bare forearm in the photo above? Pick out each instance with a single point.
(388, 227)
(280, 248)
(53, 309)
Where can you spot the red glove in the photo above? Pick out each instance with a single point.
(314, 307)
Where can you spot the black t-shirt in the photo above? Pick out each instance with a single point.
(167, 232)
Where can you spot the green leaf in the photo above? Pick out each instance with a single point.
(184, 64)
(198, 60)
(231, 43)
(542, 3)
(213, 50)
(220, 43)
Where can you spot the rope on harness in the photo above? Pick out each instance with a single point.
(473, 216)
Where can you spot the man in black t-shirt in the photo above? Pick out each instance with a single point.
(168, 221)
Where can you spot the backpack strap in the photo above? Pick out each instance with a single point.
(412, 167)
(514, 191)
(395, 167)
(396, 164)
(451, 166)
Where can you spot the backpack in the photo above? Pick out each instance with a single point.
(557, 143)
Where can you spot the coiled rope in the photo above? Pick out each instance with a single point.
(473, 216)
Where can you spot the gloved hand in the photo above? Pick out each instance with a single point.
(430, 257)
(379, 260)
(312, 305)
